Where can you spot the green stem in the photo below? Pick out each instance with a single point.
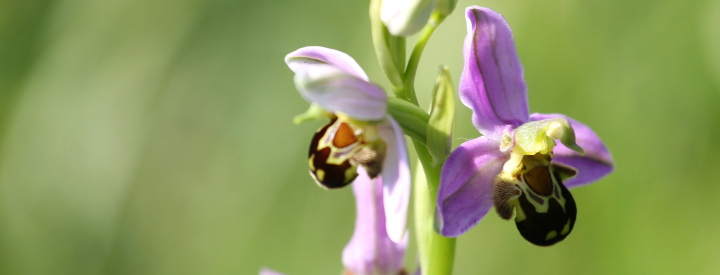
(412, 119)
(389, 49)
(436, 252)
(414, 61)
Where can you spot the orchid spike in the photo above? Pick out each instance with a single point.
(516, 165)
(360, 131)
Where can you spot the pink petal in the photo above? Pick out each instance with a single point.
(336, 91)
(370, 250)
(396, 179)
(298, 60)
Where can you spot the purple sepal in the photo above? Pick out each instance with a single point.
(492, 82)
(466, 185)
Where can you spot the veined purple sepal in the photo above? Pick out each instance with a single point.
(492, 82)
(465, 194)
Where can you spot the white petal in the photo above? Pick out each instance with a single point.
(336, 91)
(298, 60)
(396, 179)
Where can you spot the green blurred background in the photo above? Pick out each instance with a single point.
(155, 137)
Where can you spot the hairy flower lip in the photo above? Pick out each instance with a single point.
(493, 87)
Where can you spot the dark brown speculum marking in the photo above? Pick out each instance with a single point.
(538, 178)
(337, 149)
(329, 148)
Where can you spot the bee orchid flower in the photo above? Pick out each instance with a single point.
(516, 165)
(360, 131)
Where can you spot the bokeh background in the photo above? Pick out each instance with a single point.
(155, 137)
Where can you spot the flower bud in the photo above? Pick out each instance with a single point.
(406, 17)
